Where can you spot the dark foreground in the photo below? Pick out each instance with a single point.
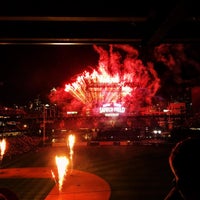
(135, 172)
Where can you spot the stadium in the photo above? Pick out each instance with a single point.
(117, 99)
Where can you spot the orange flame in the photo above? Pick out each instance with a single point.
(2, 147)
(62, 164)
(71, 141)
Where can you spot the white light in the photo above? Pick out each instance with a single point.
(155, 132)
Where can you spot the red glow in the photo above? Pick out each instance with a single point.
(112, 108)
(119, 77)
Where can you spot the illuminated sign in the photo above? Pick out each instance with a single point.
(112, 108)
(72, 112)
(111, 114)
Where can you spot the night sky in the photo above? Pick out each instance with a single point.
(28, 72)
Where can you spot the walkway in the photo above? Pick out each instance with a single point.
(78, 185)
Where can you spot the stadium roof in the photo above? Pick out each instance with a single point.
(141, 23)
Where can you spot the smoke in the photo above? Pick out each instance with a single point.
(120, 77)
(184, 69)
(131, 51)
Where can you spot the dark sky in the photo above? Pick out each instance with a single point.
(29, 71)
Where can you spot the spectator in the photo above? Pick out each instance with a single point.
(185, 165)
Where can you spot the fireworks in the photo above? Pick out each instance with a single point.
(120, 77)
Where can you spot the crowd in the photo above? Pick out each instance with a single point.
(20, 144)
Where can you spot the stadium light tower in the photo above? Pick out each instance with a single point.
(44, 122)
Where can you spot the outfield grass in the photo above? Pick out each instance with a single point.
(135, 172)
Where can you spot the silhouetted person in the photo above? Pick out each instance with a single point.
(184, 162)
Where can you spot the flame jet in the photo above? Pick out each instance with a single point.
(2, 147)
(62, 164)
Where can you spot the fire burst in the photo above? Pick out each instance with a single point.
(62, 164)
(71, 141)
(120, 77)
(2, 147)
